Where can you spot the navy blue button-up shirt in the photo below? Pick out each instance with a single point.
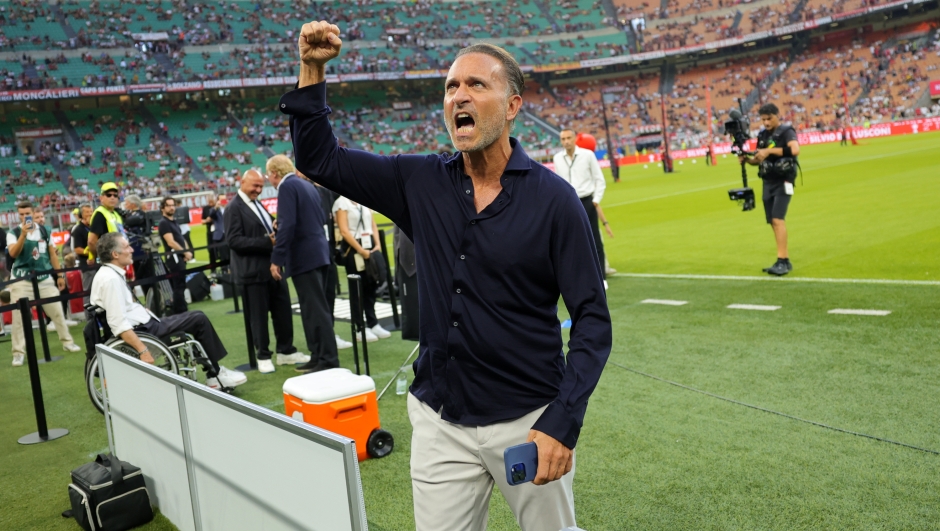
(488, 282)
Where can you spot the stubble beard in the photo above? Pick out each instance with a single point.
(491, 128)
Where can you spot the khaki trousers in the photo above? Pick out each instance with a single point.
(47, 289)
(454, 468)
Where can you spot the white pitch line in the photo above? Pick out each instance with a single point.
(757, 307)
(663, 196)
(784, 279)
(879, 313)
(666, 302)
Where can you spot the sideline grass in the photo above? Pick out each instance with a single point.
(868, 211)
(654, 456)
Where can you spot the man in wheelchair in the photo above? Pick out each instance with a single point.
(126, 316)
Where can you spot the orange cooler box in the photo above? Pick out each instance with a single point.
(339, 401)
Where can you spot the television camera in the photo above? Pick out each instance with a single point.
(739, 128)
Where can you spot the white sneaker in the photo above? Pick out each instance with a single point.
(342, 343)
(380, 332)
(18, 360)
(50, 327)
(230, 378)
(611, 271)
(265, 366)
(292, 359)
(69, 322)
(370, 336)
(72, 347)
(213, 383)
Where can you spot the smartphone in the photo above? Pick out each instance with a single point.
(522, 462)
(29, 221)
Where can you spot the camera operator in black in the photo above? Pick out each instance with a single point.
(138, 231)
(777, 149)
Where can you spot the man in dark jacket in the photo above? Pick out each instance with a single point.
(249, 232)
(302, 250)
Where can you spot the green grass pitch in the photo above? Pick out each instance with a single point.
(653, 455)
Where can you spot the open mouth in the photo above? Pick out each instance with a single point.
(464, 123)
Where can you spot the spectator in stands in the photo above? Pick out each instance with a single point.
(776, 155)
(105, 219)
(303, 253)
(250, 235)
(579, 167)
(30, 245)
(498, 240)
(126, 316)
(175, 247)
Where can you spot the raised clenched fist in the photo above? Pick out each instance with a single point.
(318, 43)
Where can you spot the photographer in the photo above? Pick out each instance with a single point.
(138, 231)
(777, 149)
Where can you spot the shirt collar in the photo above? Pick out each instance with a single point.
(120, 271)
(518, 160)
(244, 197)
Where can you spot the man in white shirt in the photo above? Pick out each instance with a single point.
(109, 290)
(579, 167)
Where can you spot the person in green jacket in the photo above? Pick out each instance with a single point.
(30, 245)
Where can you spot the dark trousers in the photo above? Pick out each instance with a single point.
(367, 288)
(195, 323)
(332, 280)
(270, 297)
(175, 263)
(408, 295)
(316, 317)
(588, 203)
(143, 269)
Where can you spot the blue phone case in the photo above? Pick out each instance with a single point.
(522, 462)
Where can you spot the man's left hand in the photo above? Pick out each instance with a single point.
(760, 155)
(555, 459)
(276, 272)
(61, 283)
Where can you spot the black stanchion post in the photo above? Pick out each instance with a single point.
(391, 284)
(353, 281)
(44, 433)
(235, 297)
(41, 317)
(360, 318)
(252, 364)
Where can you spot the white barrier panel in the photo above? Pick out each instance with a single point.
(213, 461)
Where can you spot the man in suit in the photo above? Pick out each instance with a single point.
(249, 232)
(302, 251)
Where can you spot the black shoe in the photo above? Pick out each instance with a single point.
(780, 268)
(767, 269)
(310, 366)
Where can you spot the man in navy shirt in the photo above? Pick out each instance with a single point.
(498, 240)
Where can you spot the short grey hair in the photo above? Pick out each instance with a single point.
(84, 206)
(134, 199)
(108, 244)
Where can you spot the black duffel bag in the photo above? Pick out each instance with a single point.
(109, 495)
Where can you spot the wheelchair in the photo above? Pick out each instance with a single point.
(177, 353)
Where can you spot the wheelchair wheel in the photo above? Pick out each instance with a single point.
(162, 358)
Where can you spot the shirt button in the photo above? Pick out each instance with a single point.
(452, 358)
(283, 105)
(458, 290)
(455, 323)
(468, 192)
(474, 222)
(462, 257)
